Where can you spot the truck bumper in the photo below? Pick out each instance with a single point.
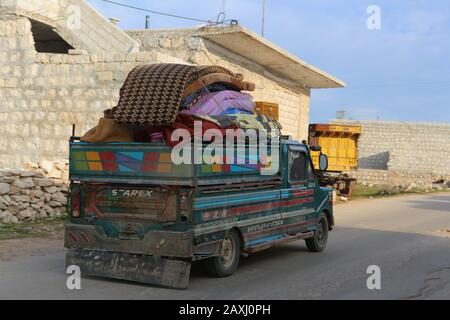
(155, 243)
(132, 267)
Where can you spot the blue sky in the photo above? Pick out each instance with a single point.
(400, 72)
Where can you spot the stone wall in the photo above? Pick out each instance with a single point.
(186, 45)
(39, 191)
(398, 153)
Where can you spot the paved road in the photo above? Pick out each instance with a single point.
(405, 236)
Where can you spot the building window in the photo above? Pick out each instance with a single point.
(47, 40)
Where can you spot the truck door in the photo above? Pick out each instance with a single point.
(298, 210)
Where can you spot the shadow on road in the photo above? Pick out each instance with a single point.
(409, 262)
(437, 202)
(275, 253)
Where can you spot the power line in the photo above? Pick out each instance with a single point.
(156, 12)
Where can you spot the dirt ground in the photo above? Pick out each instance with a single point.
(18, 248)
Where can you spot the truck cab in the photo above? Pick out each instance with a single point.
(135, 215)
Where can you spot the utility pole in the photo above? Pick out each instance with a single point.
(263, 17)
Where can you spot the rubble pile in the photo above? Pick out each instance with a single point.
(37, 191)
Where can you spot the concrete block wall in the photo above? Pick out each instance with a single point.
(43, 94)
(191, 48)
(402, 152)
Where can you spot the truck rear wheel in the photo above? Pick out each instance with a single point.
(320, 239)
(226, 264)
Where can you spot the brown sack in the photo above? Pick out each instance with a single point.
(108, 131)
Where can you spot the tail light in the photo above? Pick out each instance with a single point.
(184, 201)
(184, 206)
(75, 203)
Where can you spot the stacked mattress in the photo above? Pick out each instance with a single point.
(159, 98)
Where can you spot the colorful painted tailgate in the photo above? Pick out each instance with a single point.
(152, 163)
(137, 216)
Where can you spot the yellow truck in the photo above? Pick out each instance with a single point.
(340, 144)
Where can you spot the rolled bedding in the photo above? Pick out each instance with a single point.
(217, 103)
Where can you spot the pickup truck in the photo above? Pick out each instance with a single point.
(135, 215)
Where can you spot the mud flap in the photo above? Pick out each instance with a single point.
(139, 268)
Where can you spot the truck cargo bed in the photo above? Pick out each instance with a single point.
(151, 163)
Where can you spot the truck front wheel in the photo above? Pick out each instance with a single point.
(319, 241)
(226, 264)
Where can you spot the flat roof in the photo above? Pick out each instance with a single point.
(256, 48)
(297, 74)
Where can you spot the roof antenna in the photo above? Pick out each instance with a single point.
(114, 21)
(263, 18)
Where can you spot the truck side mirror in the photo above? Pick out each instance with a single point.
(323, 162)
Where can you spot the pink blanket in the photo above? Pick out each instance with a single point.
(216, 103)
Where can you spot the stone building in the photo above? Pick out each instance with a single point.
(62, 63)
